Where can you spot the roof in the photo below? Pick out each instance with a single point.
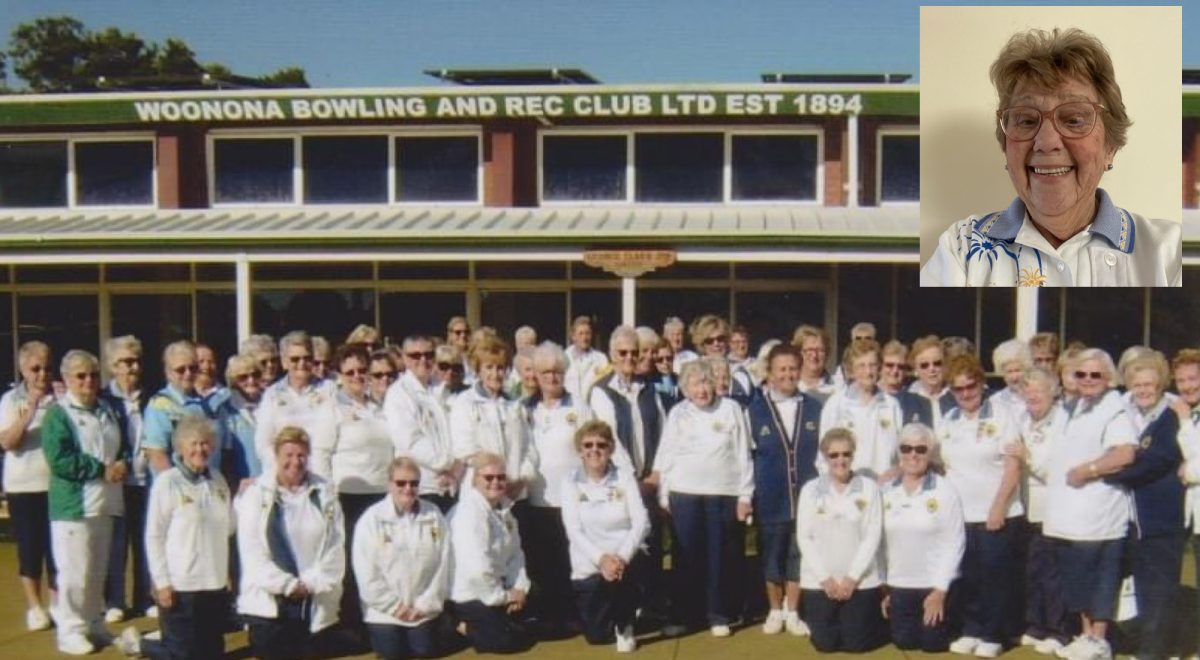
(833, 78)
(533, 76)
(882, 230)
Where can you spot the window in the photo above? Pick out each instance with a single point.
(33, 174)
(584, 167)
(437, 169)
(679, 167)
(774, 167)
(899, 169)
(114, 173)
(253, 170)
(350, 169)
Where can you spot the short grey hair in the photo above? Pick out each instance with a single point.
(238, 363)
(295, 338)
(693, 370)
(191, 426)
(673, 322)
(1013, 350)
(622, 332)
(175, 348)
(123, 343)
(321, 345)
(1106, 362)
(1039, 376)
(525, 354)
(549, 351)
(31, 348)
(524, 334)
(838, 434)
(647, 337)
(255, 344)
(78, 356)
(921, 432)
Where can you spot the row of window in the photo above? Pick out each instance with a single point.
(610, 167)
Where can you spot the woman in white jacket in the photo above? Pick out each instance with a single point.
(291, 543)
(401, 559)
(489, 586)
(863, 407)
(839, 525)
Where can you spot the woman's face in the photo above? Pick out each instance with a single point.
(1091, 378)
(839, 456)
(353, 376)
(1145, 388)
(491, 482)
(403, 488)
(382, 374)
(892, 371)
(716, 344)
(1187, 381)
(528, 374)
(914, 456)
(83, 381)
(291, 463)
(1014, 375)
(1037, 399)
(664, 358)
(491, 374)
(929, 369)
(865, 369)
(595, 452)
(968, 392)
(700, 391)
(195, 450)
(549, 379)
(249, 382)
(35, 372)
(126, 367)
(1057, 200)
(299, 364)
(812, 355)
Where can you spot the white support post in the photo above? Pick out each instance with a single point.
(1027, 313)
(244, 306)
(628, 301)
(852, 161)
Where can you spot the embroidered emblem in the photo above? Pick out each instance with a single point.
(885, 424)
(616, 494)
(861, 504)
(1146, 442)
(931, 505)
(387, 537)
(766, 431)
(887, 506)
(810, 426)
(718, 427)
(434, 533)
(280, 403)
(583, 497)
(820, 511)
(1031, 277)
(572, 418)
(184, 500)
(987, 429)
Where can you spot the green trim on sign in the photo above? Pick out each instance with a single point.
(1191, 105)
(483, 104)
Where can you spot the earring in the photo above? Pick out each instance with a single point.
(1109, 168)
(1006, 167)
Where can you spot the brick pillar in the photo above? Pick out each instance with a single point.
(835, 161)
(1191, 151)
(510, 165)
(182, 170)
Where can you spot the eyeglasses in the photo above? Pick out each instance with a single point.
(893, 365)
(128, 361)
(420, 355)
(383, 375)
(919, 450)
(1085, 375)
(297, 359)
(717, 339)
(595, 445)
(663, 358)
(458, 331)
(626, 352)
(963, 389)
(320, 363)
(186, 368)
(268, 361)
(1072, 120)
(834, 455)
(933, 364)
(493, 477)
(253, 375)
(354, 372)
(84, 375)
(448, 366)
(406, 483)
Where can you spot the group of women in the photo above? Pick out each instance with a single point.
(937, 516)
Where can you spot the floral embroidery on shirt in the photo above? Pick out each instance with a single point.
(1031, 277)
(979, 247)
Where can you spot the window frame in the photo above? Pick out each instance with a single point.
(297, 137)
(72, 176)
(726, 132)
(890, 130)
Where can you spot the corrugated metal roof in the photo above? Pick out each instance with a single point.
(896, 225)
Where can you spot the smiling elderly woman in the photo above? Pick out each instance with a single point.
(1060, 123)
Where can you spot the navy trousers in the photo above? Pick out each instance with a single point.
(400, 642)
(1045, 612)
(544, 541)
(707, 558)
(906, 618)
(192, 629)
(989, 577)
(128, 540)
(491, 629)
(353, 505)
(605, 606)
(1157, 565)
(853, 626)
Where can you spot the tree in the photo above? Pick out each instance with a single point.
(49, 52)
(115, 55)
(176, 59)
(292, 76)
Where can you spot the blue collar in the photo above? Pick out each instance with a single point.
(985, 411)
(1112, 223)
(825, 485)
(927, 482)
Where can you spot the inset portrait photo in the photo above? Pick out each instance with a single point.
(1050, 142)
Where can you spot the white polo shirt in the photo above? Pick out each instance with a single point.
(839, 532)
(25, 468)
(602, 516)
(924, 535)
(705, 451)
(1005, 248)
(973, 451)
(1039, 436)
(1189, 445)
(1098, 511)
(875, 423)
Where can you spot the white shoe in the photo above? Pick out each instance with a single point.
(130, 642)
(36, 618)
(796, 626)
(774, 623)
(75, 645)
(114, 615)
(626, 642)
(988, 649)
(720, 631)
(1029, 640)
(1048, 646)
(1100, 649)
(153, 634)
(964, 645)
(1077, 648)
(152, 612)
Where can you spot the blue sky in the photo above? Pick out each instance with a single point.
(360, 43)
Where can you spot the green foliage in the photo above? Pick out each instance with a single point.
(58, 54)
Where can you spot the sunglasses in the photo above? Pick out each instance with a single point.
(320, 363)
(84, 375)
(1085, 375)
(406, 483)
(187, 368)
(595, 445)
(420, 355)
(297, 359)
(447, 366)
(935, 364)
(893, 365)
(490, 478)
(718, 339)
(839, 454)
(919, 450)
(663, 358)
(460, 331)
(963, 389)
(383, 375)
(625, 352)
(253, 375)
(354, 372)
(266, 362)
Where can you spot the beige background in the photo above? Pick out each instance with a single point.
(962, 165)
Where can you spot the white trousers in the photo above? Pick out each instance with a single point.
(81, 552)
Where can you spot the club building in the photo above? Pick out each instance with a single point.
(510, 196)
